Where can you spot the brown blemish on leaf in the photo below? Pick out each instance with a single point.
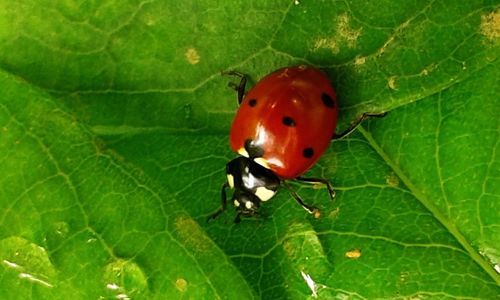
(149, 19)
(403, 276)
(490, 26)
(427, 70)
(192, 56)
(181, 284)
(289, 249)
(345, 35)
(359, 60)
(392, 180)
(353, 254)
(191, 234)
(347, 32)
(392, 83)
(327, 43)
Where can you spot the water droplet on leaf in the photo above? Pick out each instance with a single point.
(27, 261)
(124, 279)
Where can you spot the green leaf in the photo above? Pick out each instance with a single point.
(113, 141)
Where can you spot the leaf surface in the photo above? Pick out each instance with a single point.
(114, 121)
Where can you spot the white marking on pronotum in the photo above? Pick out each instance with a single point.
(230, 180)
(263, 193)
(261, 161)
(243, 152)
(248, 204)
(310, 283)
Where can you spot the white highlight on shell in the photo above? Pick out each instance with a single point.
(310, 283)
(261, 161)
(250, 180)
(243, 152)
(230, 180)
(263, 193)
(248, 204)
(236, 203)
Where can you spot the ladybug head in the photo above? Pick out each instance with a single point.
(252, 184)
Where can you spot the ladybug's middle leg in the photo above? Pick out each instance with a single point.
(240, 87)
(356, 123)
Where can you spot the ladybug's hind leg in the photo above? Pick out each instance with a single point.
(240, 87)
(310, 209)
(356, 122)
(321, 181)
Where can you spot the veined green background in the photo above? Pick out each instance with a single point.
(113, 142)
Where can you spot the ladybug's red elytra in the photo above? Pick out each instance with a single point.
(282, 127)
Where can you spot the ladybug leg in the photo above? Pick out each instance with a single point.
(310, 209)
(321, 181)
(223, 200)
(237, 220)
(356, 123)
(240, 214)
(240, 87)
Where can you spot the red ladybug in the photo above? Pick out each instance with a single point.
(283, 126)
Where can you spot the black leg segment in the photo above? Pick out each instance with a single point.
(240, 87)
(356, 122)
(321, 181)
(223, 200)
(310, 209)
(237, 219)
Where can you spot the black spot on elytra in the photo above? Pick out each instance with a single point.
(308, 152)
(252, 102)
(287, 121)
(327, 100)
(252, 149)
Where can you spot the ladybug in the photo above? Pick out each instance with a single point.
(282, 127)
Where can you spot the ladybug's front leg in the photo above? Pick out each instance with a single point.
(223, 200)
(356, 123)
(240, 87)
